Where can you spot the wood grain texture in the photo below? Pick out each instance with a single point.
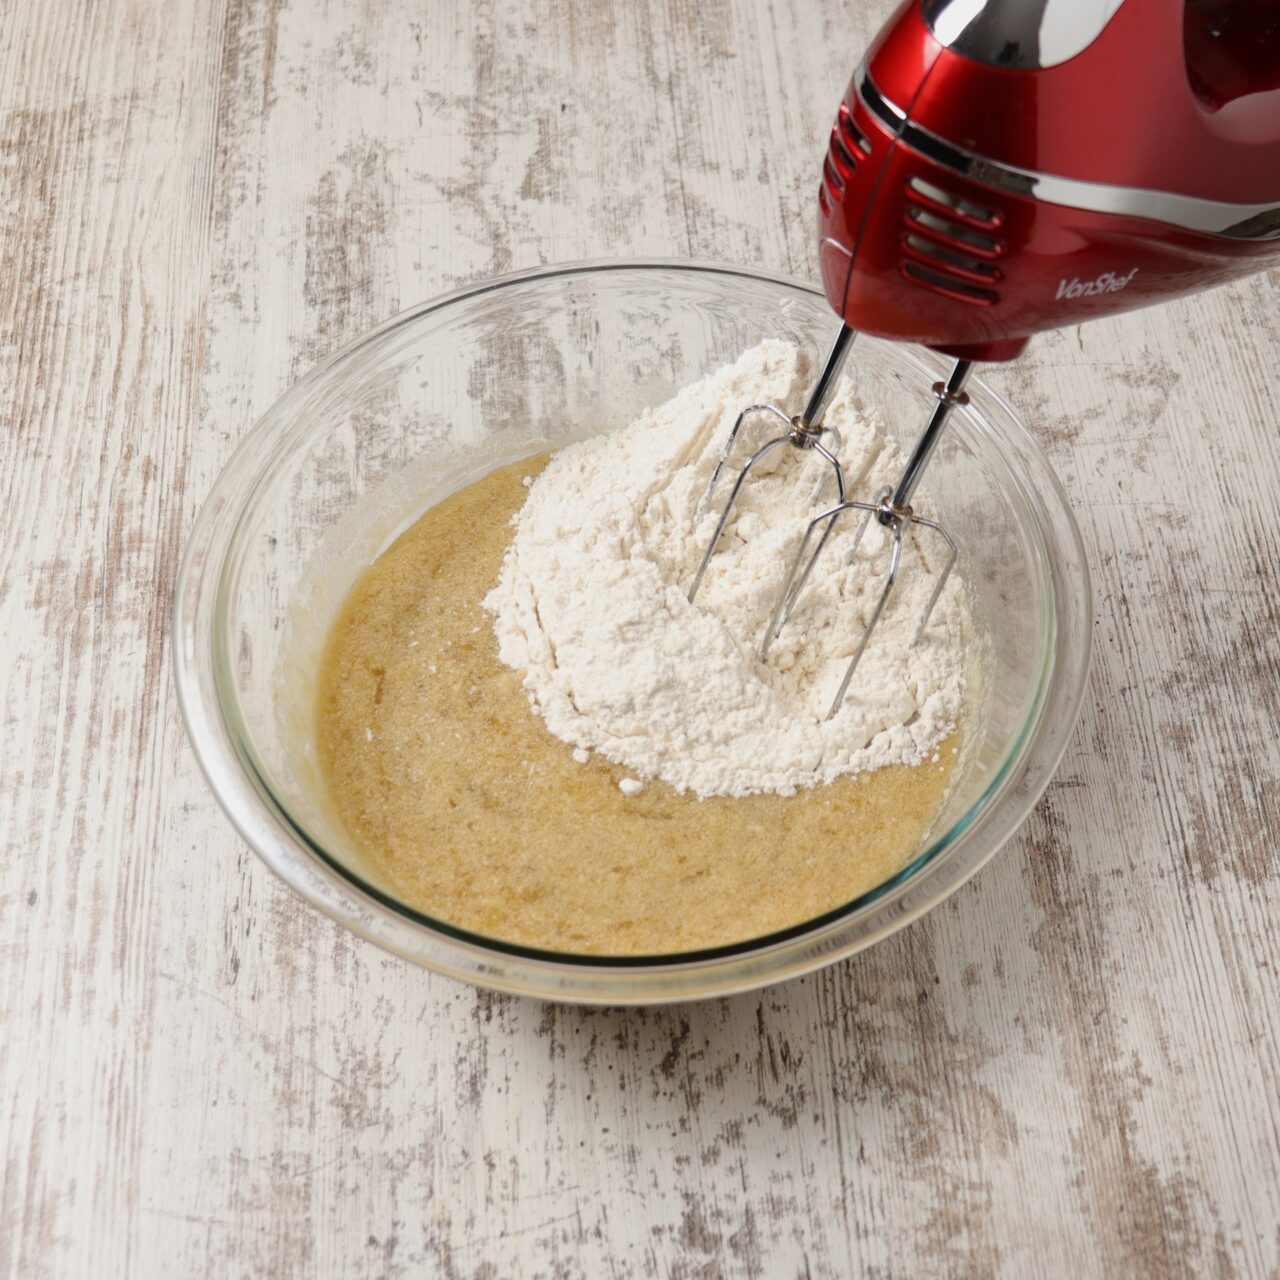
(1073, 1065)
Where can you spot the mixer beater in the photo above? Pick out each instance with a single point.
(804, 432)
(891, 506)
(998, 168)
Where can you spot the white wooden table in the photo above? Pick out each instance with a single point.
(1073, 1067)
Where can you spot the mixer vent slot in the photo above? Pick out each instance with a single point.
(840, 156)
(832, 178)
(947, 202)
(943, 257)
(854, 138)
(954, 234)
(847, 147)
(949, 285)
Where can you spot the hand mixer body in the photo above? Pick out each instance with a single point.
(1004, 167)
(1001, 167)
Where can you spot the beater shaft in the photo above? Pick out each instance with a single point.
(825, 386)
(948, 395)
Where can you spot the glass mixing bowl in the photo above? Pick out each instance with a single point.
(443, 393)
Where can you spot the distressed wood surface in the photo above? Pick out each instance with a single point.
(1073, 1066)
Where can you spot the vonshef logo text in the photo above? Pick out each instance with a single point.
(1107, 282)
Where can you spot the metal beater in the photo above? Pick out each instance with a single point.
(803, 432)
(892, 507)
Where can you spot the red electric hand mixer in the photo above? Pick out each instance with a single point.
(1000, 167)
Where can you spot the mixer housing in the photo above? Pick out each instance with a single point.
(979, 186)
(1000, 167)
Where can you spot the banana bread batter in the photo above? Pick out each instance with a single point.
(471, 811)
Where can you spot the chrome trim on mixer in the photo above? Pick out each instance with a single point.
(1018, 33)
(1211, 217)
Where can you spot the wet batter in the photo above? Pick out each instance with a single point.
(471, 811)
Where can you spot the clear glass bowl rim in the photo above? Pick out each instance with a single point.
(229, 761)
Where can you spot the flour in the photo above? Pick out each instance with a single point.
(591, 603)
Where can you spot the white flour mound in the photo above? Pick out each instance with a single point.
(591, 603)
